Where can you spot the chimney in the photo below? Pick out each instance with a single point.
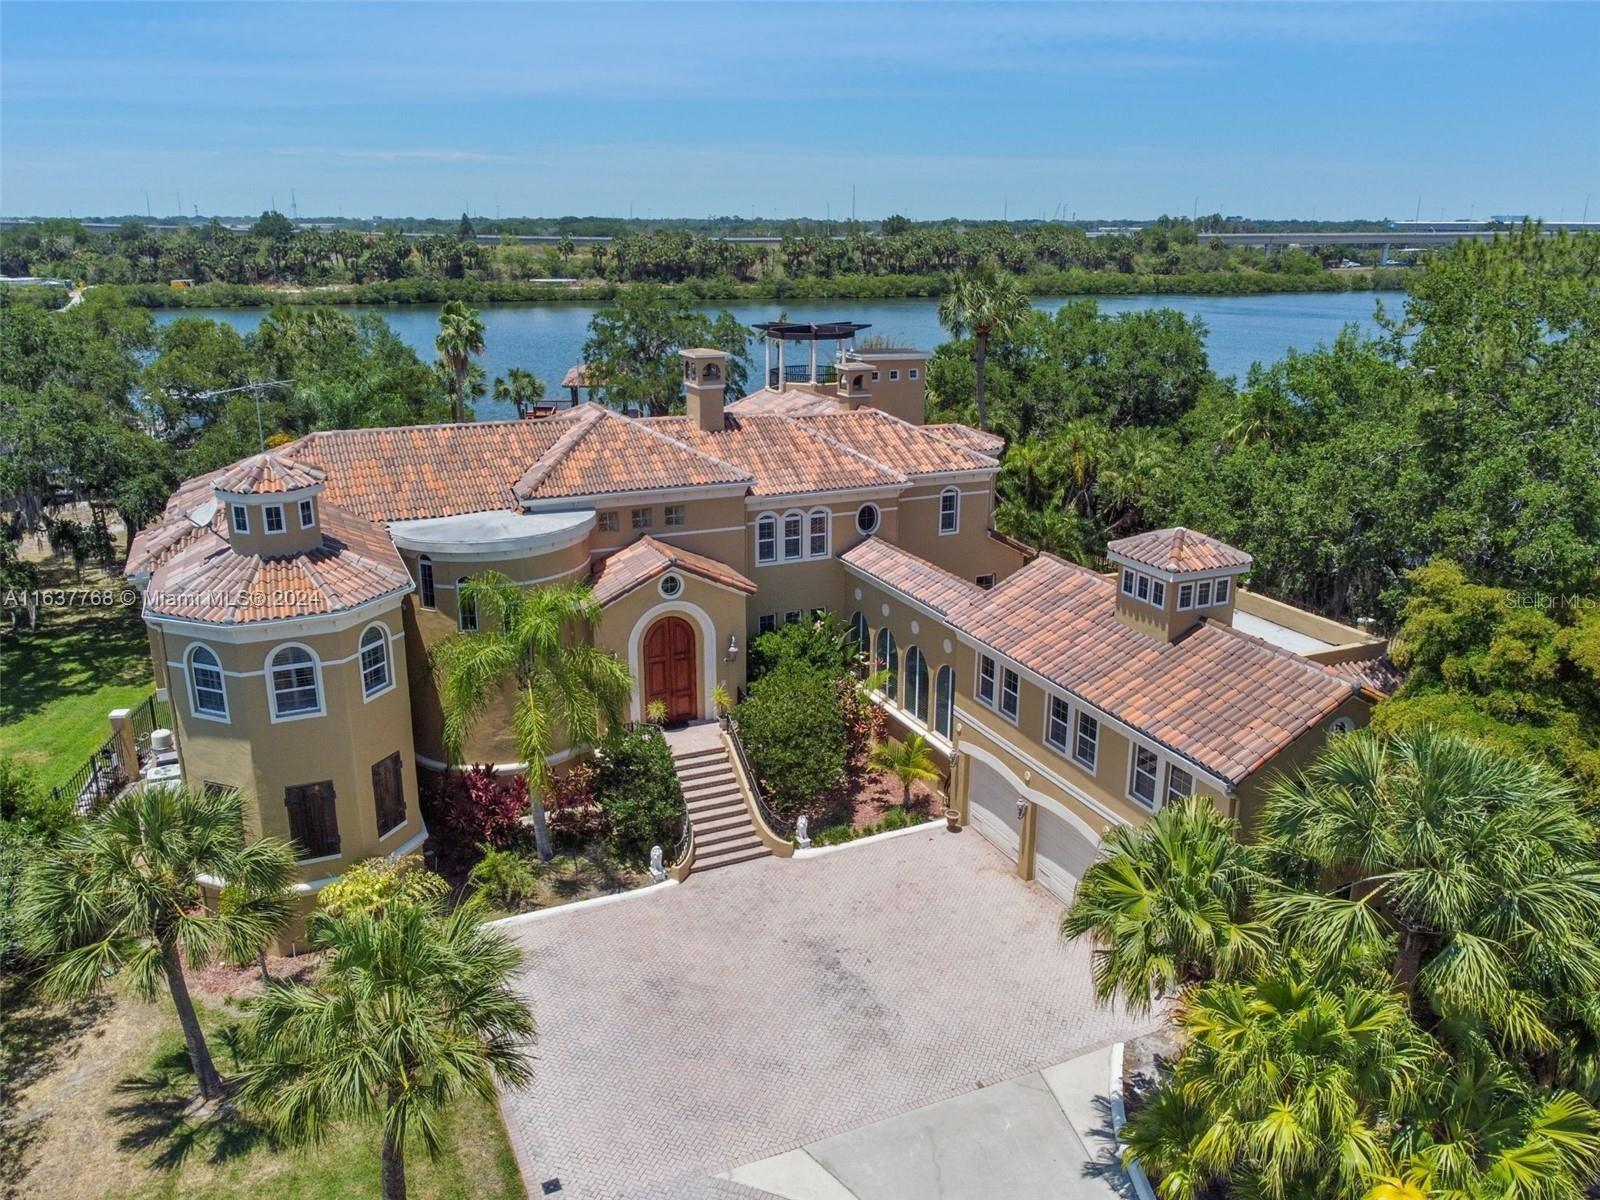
(705, 374)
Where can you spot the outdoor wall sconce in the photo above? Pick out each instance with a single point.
(733, 646)
(1022, 808)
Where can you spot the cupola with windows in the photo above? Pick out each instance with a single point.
(1168, 580)
(271, 505)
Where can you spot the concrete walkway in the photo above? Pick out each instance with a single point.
(1042, 1136)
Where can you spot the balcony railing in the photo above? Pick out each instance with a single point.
(801, 374)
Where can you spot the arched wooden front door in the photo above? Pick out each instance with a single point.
(669, 674)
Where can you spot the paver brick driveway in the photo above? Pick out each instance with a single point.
(763, 1006)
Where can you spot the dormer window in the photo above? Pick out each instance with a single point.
(241, 518)
(273, 515)
(1142, 587)
(1127, 582)
(1185, 596)
(308, 514)
(1202, 594)
(1158, 593)
(1222, 591)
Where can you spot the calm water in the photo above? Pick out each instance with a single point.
(548, 338)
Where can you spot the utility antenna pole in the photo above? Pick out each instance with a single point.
(147, 211)
(294, 206)
(1418, 217)
(852, 204)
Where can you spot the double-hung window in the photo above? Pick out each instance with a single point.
(1058, 725)
(1202, 598)
(294, 683)
(466, 608)
(274, 518)
(1010, 693)
(1185, 596)
(206, 690)
(425, 580)
(1142, 586)
(817, 532)
(308, 514)
(792, 540)
(1179, 783)
(374, 661)
(1127, 582)
(766, 622)
(1222, 591)
(606, 522)
(767, 539)
(1142, 784)
(1088, 744)
(986, 680)
(240, 517)
(643, 518)
(1158, 593)
(674, 517)
(949, 510)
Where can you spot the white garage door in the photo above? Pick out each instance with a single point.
(1061, 854)
(993, 807)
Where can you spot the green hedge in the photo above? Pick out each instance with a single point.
(793, 725)
(637, 784)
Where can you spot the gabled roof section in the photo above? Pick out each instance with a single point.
(266, 474)
(207, 581)
(1178, 549)
(783, 456)
(618, 574)
(791, 401)
(600, 452)
(903, 572)
(1216, 696)
(898, 445)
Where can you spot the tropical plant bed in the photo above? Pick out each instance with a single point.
(573, 875)
(97, 1102)
(877, 792)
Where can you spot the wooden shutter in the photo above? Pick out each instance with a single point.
(313, 821)
(388, 793)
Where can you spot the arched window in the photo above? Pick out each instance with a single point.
(208, 697)
(466, 608)
(817, 523)
(944, 700)
(887, 658)
(949, 510)
(292, 676)
(916, 700)
(375, 675)
(767, 538)
(425, 580)
(793, 540)
(860, 641)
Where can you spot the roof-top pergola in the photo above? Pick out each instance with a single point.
(779, 332)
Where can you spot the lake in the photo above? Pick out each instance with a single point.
(548, 338)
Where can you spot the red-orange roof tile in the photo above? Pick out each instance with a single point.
(618, 574)
(1178, 549)
(898, 445)
(267, 473)
(600, 452)
(904, 572)
(783, 455)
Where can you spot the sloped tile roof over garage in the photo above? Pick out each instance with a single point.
(1216, 696)
(901, 571)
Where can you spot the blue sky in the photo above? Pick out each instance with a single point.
(683, 110)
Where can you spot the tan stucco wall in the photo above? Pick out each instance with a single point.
(1250, 793)
(262, 758)
(970, 551)
(627, 620)
(714, 527)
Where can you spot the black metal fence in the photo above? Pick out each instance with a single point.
(801, 374)
(104, 774)
(784, 829)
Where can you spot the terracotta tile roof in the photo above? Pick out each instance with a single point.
(266, 474)
(1178, 549)
(618, 574)
(1381, 674)
(600, 452)
(208, 581)
(898, 445)
(1224, 700)
(969, 438)
(783, 455)
(416, 471)
(792, 401)
(191, 511)
(904, 572)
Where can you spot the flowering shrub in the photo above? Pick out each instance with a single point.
(476, 807)
(864, 722)
(378, 883)
(572, 809)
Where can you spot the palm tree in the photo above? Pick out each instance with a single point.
(460, 337)
(989, 302)
(1286, 1088)
(529, 638)
(520, 388)
(909, 761)
(1169, 903)
(412, 1010)
(122, 893)
(1475, 866)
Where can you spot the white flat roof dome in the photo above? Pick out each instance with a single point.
(488, 535)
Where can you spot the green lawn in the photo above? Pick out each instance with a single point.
(59, 681)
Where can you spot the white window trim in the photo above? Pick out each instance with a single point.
(1154, 802)
(272, 692)
(933, 725)
(783, 536)
(877, 519)
(1000, 693)
(1220, 591)
(773, 557)
(266, 520)
(766, 623)
(225, 716)
(827, 533)
(682, 512)
(894, 376)
(1077, 720)
(388, 662)
(912, 373)
(1210, 593)
(1050, 701)
(955, 526)
(977, 681)
(1166, 792)
(905, 697)
(1127, 580)
(427, 592)
(239, 513)
(1185, 587)
(308, 513)
(661, 585)
(1158, 586)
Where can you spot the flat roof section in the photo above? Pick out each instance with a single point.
(1277, 635)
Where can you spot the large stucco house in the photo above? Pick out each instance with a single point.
(292, 599)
